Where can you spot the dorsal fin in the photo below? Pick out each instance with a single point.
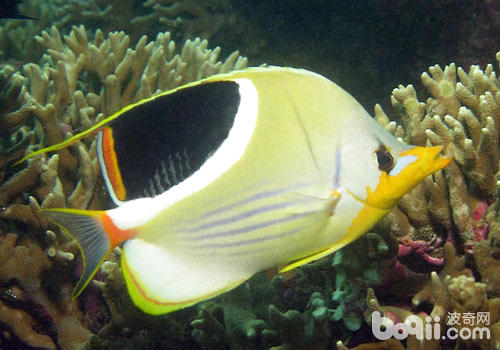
(158, 144)
(189, 122)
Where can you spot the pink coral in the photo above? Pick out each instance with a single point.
(415, 254)
(481, 227)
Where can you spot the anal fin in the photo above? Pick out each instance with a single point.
(160, 279)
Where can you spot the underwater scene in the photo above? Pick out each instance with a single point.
(249, 174)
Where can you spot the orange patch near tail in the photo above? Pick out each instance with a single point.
(115, 234)
(111, 163)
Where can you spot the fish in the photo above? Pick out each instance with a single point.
(222, 178)
(9, 10)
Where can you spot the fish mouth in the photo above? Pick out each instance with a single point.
(392, 187)
(430, 159)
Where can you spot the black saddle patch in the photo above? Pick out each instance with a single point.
(161, 142)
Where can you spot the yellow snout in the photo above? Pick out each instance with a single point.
(422, 162)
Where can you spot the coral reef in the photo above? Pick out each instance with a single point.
(15, 110)
(199, 18)
(462, 117)
(186, 18)
(17, 37)
(437, 254)
(78, 82)
(23, 265)
(354, 272)
(458, 206)
(487, 254)
(460, 295)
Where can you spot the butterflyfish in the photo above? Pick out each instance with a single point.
(222, 178)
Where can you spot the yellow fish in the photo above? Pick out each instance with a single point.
(222, 178)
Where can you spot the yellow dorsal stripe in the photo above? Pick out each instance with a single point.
(96, 128)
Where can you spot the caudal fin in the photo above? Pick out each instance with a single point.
(86, 227)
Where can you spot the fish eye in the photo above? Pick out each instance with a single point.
(385, 159)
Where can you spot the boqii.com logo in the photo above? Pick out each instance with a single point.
(470, 326)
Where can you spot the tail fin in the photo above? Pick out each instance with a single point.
(88, 229)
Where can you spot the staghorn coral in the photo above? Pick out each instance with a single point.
(186, 18)
(194, 18)
(17, 38)
(458, 205)
(453, 290)
(431, 289)
(25, 263)
(107, 15)
(487, 253)
(80, 81)
(449, 295)
(20, 323)
(83, 79)
(125, 75)
(462, 116)
(15, 110)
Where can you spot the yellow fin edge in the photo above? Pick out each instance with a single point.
(153, 306)
(348, 238)
(93, 254)
(97, 126)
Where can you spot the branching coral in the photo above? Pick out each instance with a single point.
(79, 81)
(462, 116)
(199, 18)
(25, 264)
(188, 18)
(17, 38)
(14, 113)
(487, 254)
(191, 18)
(107, 15)
(454, 290)
(458, 205)
(125, 75)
